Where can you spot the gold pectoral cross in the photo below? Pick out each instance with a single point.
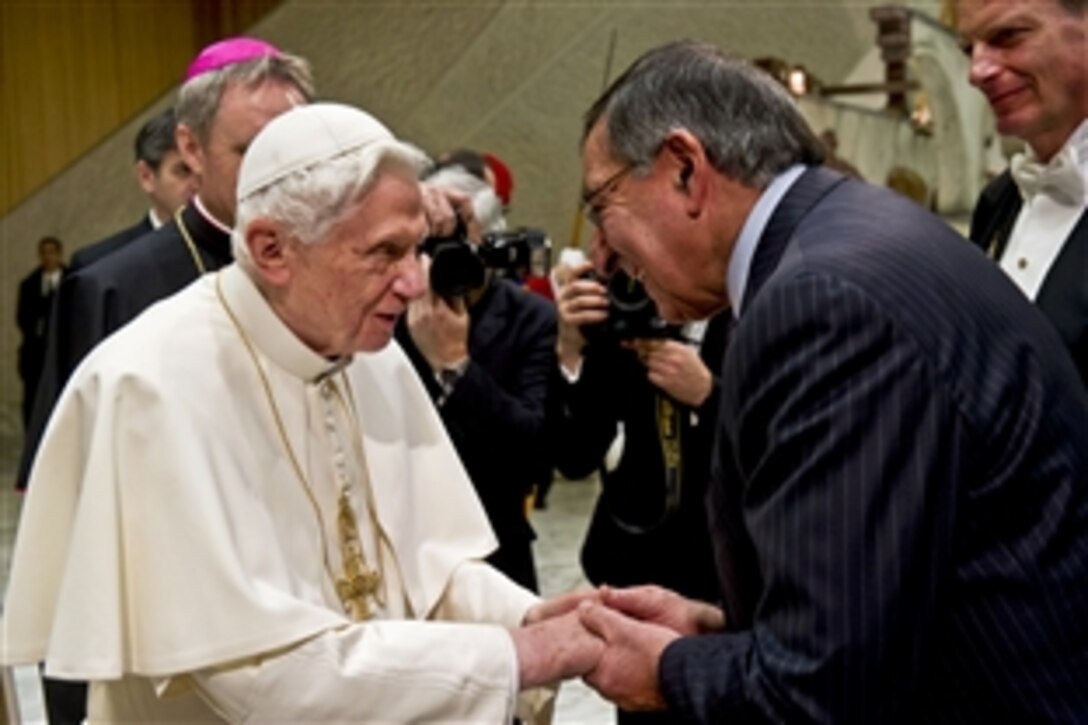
(359, 583)
(355, 589)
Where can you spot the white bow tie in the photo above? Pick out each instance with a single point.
(1059, 179)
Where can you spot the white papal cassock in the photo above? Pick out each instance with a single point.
(168, 549)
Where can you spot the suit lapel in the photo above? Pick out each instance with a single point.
(1064, 294)
(1006, 207)
(809, 188)
(738, 565)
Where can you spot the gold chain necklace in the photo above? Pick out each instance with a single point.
(189, 243)
(359, 583)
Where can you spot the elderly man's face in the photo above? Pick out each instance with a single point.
(1030, 59)
(642, 227)
(347, 290)
(243, 111)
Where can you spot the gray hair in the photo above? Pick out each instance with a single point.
(747, 122)
(198, 98)
(308, 202)
(486, 205)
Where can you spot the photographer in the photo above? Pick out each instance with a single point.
(485, 355)
(627, 406)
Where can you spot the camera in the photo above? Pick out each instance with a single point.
(458, 266)
(514, 252)
(631, 313)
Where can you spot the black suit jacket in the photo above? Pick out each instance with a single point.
(93, 252)
(496, 411)
(100, 298)
(631, 539)
(32, 311)
(1063, 298)
(901, 494)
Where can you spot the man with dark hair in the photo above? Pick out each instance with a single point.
(164, 177)
(899, 500)
(32, 309)
(1030, 59)
(232, 89)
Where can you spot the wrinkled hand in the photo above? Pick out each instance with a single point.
(554, 649)
(560, 605)
(676, 368)
(659, 606)
(579, 302)
(443, 207)
(438, 327)
(627, 671)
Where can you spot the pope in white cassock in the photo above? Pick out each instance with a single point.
(235, 516)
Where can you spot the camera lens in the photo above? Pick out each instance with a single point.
(628, 297)
(456, 269)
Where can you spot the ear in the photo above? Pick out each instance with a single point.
(189, 148)
(270, 250)
(145, 175)
(687, 163)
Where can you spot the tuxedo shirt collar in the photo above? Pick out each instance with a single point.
(1076, 145)
(740, 262)
(1064, 177)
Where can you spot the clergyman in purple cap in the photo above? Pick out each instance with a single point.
(231, 90)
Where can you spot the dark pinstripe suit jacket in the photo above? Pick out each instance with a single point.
(901, 495)
(1063, 298)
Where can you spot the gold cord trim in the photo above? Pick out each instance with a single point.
(359, 583)
(189, 243)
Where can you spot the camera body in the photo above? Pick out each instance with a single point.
(513, 252)
(631, 313)
(458, 266)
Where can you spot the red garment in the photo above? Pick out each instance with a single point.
(539, 284)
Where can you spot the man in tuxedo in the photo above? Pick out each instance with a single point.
(899, 497)
(32, 309)
(1028, 57)
(164, 177)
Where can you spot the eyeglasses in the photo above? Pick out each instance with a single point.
(593, 199)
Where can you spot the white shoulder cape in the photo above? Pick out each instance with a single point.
(153, 538)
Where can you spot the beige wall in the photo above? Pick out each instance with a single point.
(72, 71)
(509, 77)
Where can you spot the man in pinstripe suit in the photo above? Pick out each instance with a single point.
(900, 492)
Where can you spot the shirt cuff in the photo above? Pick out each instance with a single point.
(447, 377)
(572, 376)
